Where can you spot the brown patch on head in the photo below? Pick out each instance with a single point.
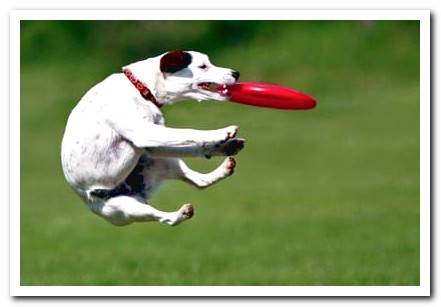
(174, 61)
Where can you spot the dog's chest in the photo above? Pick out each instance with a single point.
(149, 112)
(158, 118)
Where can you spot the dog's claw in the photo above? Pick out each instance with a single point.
(231, 132)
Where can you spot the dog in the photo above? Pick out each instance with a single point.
(116, 149)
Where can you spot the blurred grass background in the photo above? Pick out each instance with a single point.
(323, 197)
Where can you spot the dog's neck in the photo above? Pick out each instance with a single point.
(148, 73)
(142, 88)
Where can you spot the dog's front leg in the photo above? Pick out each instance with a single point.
(160, 141)
(229, 147)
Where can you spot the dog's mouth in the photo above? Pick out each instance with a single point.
(213, 87)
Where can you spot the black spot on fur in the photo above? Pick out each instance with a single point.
(133, 185)
(136, 179)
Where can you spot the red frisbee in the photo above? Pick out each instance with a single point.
(269, 96)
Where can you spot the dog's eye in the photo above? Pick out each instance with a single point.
(203, 66)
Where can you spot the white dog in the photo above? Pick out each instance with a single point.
(116, 149)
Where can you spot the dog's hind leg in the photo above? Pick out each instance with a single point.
(124, 210)
(177, 169)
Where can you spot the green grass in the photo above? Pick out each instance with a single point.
(323, 197)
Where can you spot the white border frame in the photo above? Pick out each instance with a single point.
(422, 15)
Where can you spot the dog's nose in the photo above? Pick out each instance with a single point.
(235, 74)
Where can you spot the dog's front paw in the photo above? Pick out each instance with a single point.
(231, 147)
(225, 134)
(231, 131)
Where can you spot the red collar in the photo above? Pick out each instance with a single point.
(141, 87)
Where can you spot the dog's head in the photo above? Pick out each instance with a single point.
(184, 75)
(191, 75)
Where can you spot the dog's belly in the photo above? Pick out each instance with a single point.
(97, 158)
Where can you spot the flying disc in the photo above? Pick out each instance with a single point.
(269, 96)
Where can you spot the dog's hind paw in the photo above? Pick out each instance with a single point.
(229, 166)
(187, 211)
(184, 213)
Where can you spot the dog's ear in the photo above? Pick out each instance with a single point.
(174, 61)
